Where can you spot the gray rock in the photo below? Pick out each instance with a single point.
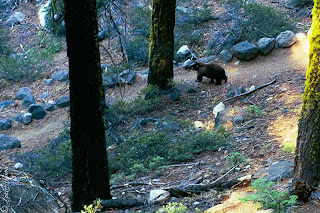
(7, 142)
(238, 119)
(188, 63)
(245, 51)
(175, 96)
(286, 39)
(28, 100)
(207, 59)
(62, 75)
(17, 118)
(18, 166)
(5, 104)
(266, 45)
(204, 115)
(184, 54)
(15, 18)
(127, 76)
(225, 56)
(231, 93)
(143, 73)
(26, 118)
(49, 107)
(240, 90)
(5, 124)
(63, 101)
(276, 172)
(48, 82)
(23, 92)
(159, 196)
(107, 81)
(284, 111)
(37, 111)
(44, 95)
(227, 116)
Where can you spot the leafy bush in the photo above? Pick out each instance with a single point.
(253, 109)
(262, 20)
(92, 208)
(270, 199)
(173, 208)
(137, 50)
(236, 158)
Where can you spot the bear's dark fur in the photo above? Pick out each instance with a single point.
(212, 71)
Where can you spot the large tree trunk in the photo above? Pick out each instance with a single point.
(161, 43)
(89, 161)
(307, 157)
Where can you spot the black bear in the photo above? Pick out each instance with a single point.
(212, 71)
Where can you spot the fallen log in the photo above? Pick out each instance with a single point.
(122, 203)
(251, 91)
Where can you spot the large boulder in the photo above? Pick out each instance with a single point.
(28, 100)
(276, 172)
(24, 118)
(23, 92)
(225, 56)
(7, 142)
(37, 111)
(5, 124)
(62, 75)
(63, 101)
(286, 39)
(127, 76)
(266, 45)
(184, 53)
(26, 195)
(245, 51)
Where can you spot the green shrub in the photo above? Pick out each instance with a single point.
(140, 19)
(236, 158)
(262, 20)
(270, 199)
(253, 109)
(137, 49)
(173, 208)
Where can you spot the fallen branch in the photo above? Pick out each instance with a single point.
(123, 203)
(251, 91)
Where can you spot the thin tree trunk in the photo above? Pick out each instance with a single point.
(161, 43)
(89, 162)
(307, 157)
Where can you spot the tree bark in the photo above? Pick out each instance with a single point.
(89, 161)
(161, 43)
(307, 157)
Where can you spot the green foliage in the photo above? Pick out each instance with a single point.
(142, 151)
(140, 18)
(301, 3)
(53, 162)
(55, 17)
(236, 158)
(92, 208)
(253, 109)
(4, 48)
(173, 208)
(262, 20)
(137, 49)
(270, 199)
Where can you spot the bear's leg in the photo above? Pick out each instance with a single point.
(199, 78)
(218, 81)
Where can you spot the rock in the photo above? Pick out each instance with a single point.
(143, 73)
(207, 59)
(107, 81)
(227, 117)
(238, 119)
(18, 165)
(5, 104)
(198, 124)
(276, 172)
(191, 90)
(286, 39)
(26, 118)
(218, 108)
(245, 51)
(21, 187)
(225, 56)
(5, 124)
(284, 111)
(37, 111)
(44, 95)
(188, 63)
(175, 96)
(23, 92)
(184, 53)
(48, 82)
(28, 100)
(15, 18)
(159, 196)
(240, 90)
(62, 75)
(231, 93)
(145, 121)
(102, 35)
(266, 45)
(7, 142)
(127, 76)
(63, 101)
(204, 115)
(49, 106)
(17, 118)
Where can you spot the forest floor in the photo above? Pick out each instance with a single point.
(276, 129)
